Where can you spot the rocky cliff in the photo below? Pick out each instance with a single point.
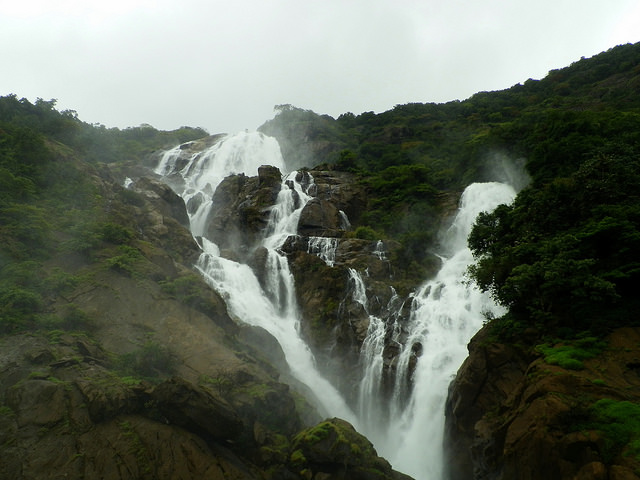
(555, 412)
(140, 372)
(323, 256)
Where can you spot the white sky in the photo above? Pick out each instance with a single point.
(223, 65)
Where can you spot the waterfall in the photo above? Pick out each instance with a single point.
(371, 359)
(274, 309)
(445, 313)
(379, 251)
(323, 247)
(406, 420)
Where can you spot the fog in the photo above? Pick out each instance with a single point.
(223, 65)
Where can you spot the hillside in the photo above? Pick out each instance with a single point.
(119, 361)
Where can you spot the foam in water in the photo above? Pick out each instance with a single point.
(203, 172)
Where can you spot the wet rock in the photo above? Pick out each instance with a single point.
(266, 344)
(196, 410)
(269, 177)
(319, 218)
(105, 396)
(163, 199)
(511, 415)
(334, 450)
(242, 209)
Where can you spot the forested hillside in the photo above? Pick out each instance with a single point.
(565, 255)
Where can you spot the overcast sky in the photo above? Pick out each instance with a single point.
(223, 65)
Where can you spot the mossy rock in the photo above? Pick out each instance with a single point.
(334, 447)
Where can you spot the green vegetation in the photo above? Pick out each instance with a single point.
(191, 290)
(223, 381)
(578, 130)
(619, 421)
(136, 447)
(571, 356)
(564, 258)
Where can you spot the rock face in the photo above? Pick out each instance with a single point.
(161, 383)
(512, 415)
(243, 207)
(323, 255)
(334, 450)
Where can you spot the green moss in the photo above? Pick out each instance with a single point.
(297, 459)
(151, 362)
(6, 411)
(191, 290)
(619, 421)
(136, 447)
(315, 434)
(571, 355)
(223, 381)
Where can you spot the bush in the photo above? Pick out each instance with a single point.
(117, 234)
(366, 233)
(127, 262)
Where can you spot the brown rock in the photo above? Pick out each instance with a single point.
(511, 415)
(197, 410)
(319, 218)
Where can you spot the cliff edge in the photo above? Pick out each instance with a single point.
(553, 412)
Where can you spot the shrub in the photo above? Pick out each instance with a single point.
(366, 233)
(127, 262)
(114, 233)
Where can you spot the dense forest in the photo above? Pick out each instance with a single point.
(49, 202)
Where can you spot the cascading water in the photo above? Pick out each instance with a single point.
(445, 312)
(240, 153)
(323, 247)
(275, 309)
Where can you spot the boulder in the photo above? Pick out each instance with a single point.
(163, 199)
(242, 210)
(333, 449)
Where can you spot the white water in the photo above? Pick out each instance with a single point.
(240, 153)
(379, 251)
(275, 308)
(445, 312)
(323, 247)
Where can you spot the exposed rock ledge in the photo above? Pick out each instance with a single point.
(510, 415)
